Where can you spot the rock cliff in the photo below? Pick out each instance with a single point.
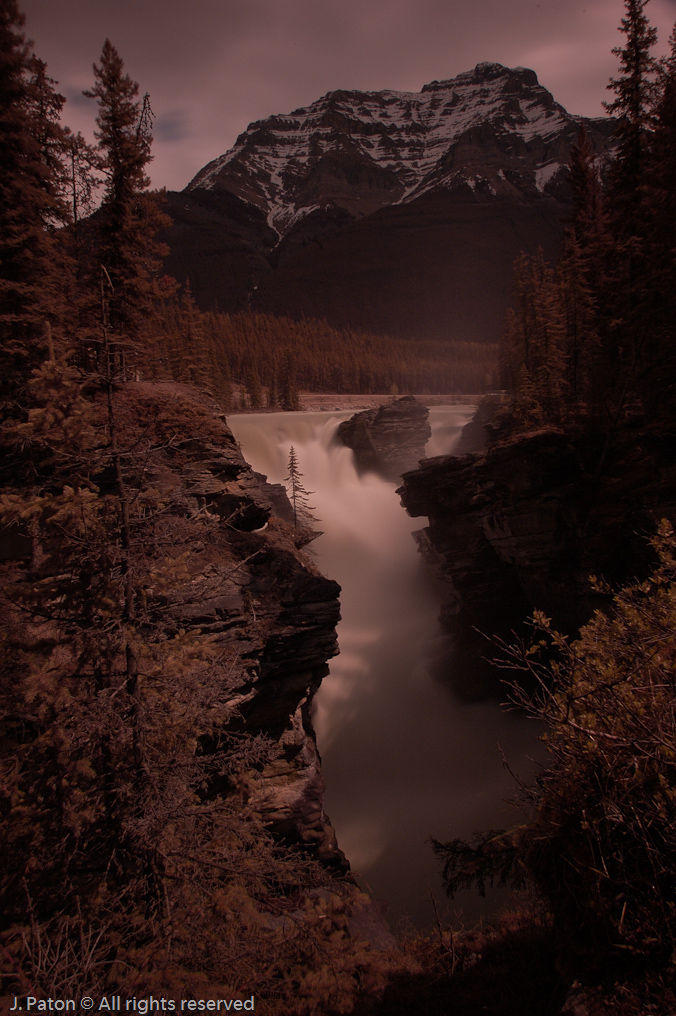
(390, 439)
(523, 525)
(270, 611)
(474, 436)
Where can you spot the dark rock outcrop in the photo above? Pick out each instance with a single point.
(270, 612)
(390, 439)
(523, 525)
(474, 434)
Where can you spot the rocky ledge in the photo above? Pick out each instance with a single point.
(264, 601)
(241, 580)
(390, 439)
(523, 525)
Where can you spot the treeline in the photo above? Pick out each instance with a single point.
(253, 360)
(69, 276)
(592, 339)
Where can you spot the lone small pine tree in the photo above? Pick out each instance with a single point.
(298, 495)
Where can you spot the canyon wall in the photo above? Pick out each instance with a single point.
(275, 612)
(524, 525)
(243, 581)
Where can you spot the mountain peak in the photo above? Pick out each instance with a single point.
(484, 72)
(494, 131)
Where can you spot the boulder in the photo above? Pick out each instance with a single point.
(390, 439)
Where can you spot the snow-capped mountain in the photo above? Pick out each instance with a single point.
(493, 128)
(399, 212)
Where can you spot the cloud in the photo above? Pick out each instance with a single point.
(172, 126)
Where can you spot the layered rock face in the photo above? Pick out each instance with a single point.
(474, 436)
(387, 210)
(494, 129)
(271, 613)
(390, 439)
(523, 525)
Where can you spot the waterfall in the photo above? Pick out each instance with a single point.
(403, 758)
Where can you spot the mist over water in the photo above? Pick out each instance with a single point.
(403, 758)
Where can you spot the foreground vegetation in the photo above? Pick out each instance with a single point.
(600, 850)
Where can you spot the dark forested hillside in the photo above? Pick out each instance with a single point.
(256, 361)
(578, 478)
(591, 339)
(162, 830)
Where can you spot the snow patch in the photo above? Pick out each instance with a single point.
(543, 174)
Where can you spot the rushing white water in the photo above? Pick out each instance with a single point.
(402, 757)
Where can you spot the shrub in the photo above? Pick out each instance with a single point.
(601, 846)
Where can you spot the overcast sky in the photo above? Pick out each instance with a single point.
(213, 66)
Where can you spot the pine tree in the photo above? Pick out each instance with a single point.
(625, 312)
(635, 91)
(192, 365)
(581, 338)
(298, 495)
(130, 215)
(533, 353)
(288, 391)
(29, 203)
(253, 388)
(273, 397)
(659, 303)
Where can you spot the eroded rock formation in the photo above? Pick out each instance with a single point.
(523, 525)
(474, 436)
(246, 584)
(390, 439)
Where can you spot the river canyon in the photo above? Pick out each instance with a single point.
(410, 748)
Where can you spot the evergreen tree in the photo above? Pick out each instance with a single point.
(130, 215)
(582, 275)
(659, 303)
(635, 91)
(192, 362)
(29, 203)
(588, 226)
(288, 392)
(298, 495)
(253, 388)
(581, 338)
(273, 397)
(626, 328)
(533, 352)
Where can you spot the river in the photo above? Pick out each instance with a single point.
(404, 758)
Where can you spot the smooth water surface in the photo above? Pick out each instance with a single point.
(402, 757)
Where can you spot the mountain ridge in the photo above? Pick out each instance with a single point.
(407, 136)
(337, 208)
